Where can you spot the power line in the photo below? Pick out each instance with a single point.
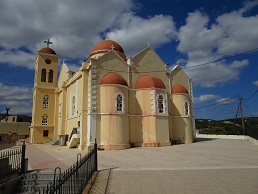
(215, 103)
(198, 65)
(251, 95)
(222, 59)
(248, 109)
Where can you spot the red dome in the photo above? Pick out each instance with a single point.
(47, 50)
(113, 78)
(179, 89)
(104, 46)
(147, 81)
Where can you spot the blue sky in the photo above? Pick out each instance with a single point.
(184, 32)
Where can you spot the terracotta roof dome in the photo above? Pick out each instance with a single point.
(147, 81)
(47, 50)
(113, 78)
(104, 46)
(179, 89)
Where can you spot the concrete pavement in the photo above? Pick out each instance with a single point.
(208, 166)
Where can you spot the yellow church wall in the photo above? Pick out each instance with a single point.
(178, 76)
(178, 103)
(149, 131)
(142, 102)
(108, 93)
(182, 130)
(56, 116)
(162, 127)
(54, 66)
(63, 75)
(149, 63)
(114, 132)
(70, 124)
(171, 131)
(38, 106)
(38, 134)
(182, 124)
(135, 132)
(111, 62)
(112, 126)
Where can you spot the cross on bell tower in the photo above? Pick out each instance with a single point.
(47, 42)
(112, 47)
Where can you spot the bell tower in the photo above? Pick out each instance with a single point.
(45, 81)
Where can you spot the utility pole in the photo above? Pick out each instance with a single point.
(239, 110)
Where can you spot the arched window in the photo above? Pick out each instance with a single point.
(186, 107)
(45, 101)
(44, 119)
(43, 75)
(160, 104)
(119, 102)
(50, 76)
(73, 105)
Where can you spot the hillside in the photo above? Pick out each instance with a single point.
(226, 127)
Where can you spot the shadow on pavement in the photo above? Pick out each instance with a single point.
(204, 139)
(101, 182)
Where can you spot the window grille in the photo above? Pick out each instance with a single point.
(160, 104)
(119, 102)
(44, 119)
(186, 106)
(45, 101)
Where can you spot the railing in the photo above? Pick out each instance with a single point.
(12, 162)
(75, 178)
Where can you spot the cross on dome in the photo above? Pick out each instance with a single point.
(47, 42)
(112, 47)
(148, 44)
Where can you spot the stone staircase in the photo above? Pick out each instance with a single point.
(54, 142)
(34, 182)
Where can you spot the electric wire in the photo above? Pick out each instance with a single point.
(193, 66)
(215, 103)
(251, 95)
(222, 59)
(248, 109)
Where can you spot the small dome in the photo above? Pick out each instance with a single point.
(147, 81)
(113, 78)
(104, 46)
(179, 89)
(47, 50)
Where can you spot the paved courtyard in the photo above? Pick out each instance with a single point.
(208, 166)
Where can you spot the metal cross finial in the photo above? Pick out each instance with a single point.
(112, 47)
(148, 43)
(47, 42)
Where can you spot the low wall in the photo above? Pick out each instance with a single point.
(213, 136)
(21, 128)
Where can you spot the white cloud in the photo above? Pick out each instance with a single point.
(74, 27)
(133, 32)
(226, 101)
(205, 98)
(255, 83)
(18, 58)
(239, 64)
(203, 42)
(17, 98)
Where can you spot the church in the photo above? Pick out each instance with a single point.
(117, 100)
